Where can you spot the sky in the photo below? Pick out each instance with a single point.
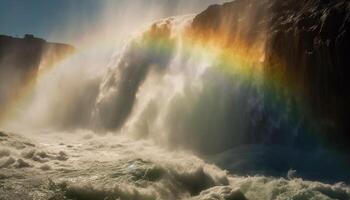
(73, 21)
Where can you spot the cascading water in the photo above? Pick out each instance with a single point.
(174, 88)
(185, 92)
(176, 94)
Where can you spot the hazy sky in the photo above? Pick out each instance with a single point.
(69, 20)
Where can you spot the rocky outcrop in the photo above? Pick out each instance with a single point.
(307, 45)
(312, 41)
(241, 21)
(20, 59)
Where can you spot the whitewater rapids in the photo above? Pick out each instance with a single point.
(86, 166)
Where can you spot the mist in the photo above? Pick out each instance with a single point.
(165, 99)
(99, 31)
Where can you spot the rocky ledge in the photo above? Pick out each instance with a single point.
(20, 59)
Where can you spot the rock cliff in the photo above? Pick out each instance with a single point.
(20, 59)
(306, 44)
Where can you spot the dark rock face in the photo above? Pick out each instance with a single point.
(307, 45)
(312, 41)
(20, 59)
(238, 20)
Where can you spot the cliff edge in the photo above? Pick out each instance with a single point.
(20, 59)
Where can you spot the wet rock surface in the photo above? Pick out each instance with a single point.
(306, 46)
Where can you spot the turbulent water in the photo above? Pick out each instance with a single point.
(175, 117)
(85, 166)
(166, 91)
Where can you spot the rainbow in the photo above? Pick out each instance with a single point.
(24, 93)
(237, 60)
(246, 62)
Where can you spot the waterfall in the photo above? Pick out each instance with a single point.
(179, 93)
(184, 86)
